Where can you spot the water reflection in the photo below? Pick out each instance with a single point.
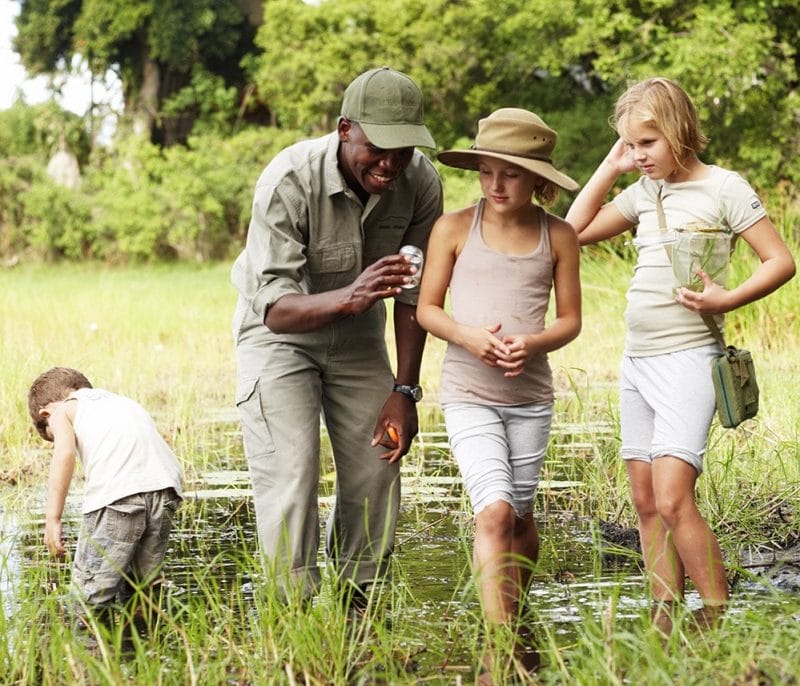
(215, 536)
(10, 562)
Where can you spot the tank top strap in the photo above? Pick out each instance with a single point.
(544, 225)
(477, 219)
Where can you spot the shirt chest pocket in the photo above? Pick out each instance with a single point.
(385, 238)
(332, 267)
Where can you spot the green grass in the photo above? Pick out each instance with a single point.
(162, 335)
(159, 334)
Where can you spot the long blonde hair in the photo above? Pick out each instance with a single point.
(661, 103)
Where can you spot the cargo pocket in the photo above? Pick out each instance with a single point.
(255, 430)
(172, 501)
(123, 521)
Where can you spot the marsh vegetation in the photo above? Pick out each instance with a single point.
(160, 334)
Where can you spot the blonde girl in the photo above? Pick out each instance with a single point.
(666, 393)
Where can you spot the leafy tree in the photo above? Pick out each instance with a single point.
(466, 56)
(156, 46)
(194, 65)
(557, 57)
(41, 130)
(737, 60)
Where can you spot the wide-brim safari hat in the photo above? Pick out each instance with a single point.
(517, 136)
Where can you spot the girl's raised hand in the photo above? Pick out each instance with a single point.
(620, 157)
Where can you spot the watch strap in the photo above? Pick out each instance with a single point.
(413, 392)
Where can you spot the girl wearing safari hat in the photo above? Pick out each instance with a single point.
(499, 259)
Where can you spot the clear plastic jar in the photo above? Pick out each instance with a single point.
(414, 255)
(701, 247)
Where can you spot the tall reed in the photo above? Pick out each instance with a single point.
(162, 335)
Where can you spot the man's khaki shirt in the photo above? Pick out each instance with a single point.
(310, 233)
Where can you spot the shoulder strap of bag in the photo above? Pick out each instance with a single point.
(662, 224)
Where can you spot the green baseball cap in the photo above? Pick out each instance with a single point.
(387, 104)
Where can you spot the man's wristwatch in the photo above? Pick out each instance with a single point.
(413, 392)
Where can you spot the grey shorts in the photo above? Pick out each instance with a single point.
(121, 544)
(499, 451)
(667, 404)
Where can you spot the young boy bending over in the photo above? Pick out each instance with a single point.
(133, 485)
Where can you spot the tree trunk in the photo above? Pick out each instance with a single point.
(145, 108)
(253, 10)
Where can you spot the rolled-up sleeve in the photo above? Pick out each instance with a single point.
(303, 226)
(275, 246)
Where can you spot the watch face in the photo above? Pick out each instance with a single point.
(413, 392)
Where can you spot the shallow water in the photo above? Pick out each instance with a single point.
(574, 579)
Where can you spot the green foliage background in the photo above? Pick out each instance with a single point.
(245, 94)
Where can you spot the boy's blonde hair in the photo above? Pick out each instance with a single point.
(661, 103)
(49, 387)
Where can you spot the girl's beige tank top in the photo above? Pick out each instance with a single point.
(488, 287)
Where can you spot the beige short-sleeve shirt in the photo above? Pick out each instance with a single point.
(656, 323)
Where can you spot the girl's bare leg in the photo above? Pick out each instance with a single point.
(661, 560)
(506, 546)
(525, 549)
(692, 538)
(494, 532)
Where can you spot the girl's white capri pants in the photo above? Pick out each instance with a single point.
(499, 451)
(667, 404)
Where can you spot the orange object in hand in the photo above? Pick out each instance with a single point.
(393, 433)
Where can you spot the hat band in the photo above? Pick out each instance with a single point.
(541, 158)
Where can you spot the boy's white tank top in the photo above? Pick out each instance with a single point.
(120, 448)
(489, 287)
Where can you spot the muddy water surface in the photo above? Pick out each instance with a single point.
(578, 574)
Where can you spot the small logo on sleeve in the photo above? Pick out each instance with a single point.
(755, 203)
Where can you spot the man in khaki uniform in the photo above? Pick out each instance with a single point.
(329, 216)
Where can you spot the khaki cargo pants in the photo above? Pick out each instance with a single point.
(286, 383)
(121, 544)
